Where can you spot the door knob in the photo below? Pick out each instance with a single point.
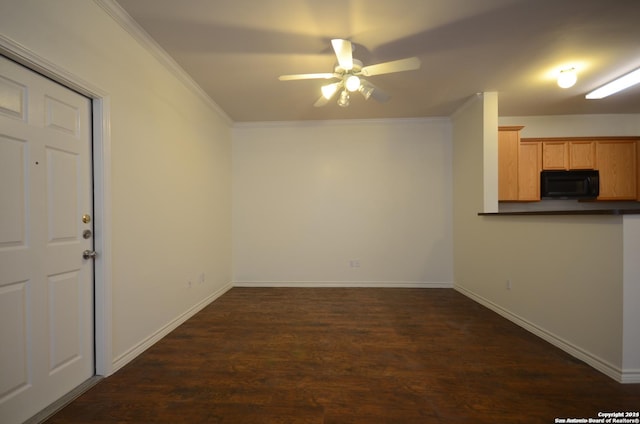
(89, 254)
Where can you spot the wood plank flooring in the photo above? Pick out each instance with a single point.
(350, 355)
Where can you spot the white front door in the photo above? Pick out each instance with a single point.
(46, 220)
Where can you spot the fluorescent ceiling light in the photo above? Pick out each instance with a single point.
(614, 86)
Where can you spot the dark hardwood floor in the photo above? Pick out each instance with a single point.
(350, 355)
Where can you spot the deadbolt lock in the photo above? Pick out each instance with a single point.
(86, 234)
(86, 218)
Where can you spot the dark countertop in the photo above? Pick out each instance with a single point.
(568, 212)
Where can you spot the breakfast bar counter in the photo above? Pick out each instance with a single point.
(566, 212)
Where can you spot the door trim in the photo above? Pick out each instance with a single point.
(101, 156)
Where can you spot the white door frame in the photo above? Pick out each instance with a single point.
(101, 156)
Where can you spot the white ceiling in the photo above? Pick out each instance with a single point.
(236, 49)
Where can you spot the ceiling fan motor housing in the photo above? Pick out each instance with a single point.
(357, 67)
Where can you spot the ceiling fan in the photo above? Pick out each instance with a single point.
(349, 74)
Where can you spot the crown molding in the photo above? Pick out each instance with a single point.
(120, 16)
(343, 122)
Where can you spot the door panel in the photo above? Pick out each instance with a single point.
(62, 116)
(46, 287)
(64, 317)
(12, 187)
(13, 97)
(13, 326)
(62, 195)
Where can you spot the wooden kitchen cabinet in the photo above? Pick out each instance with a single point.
(529, 167)
(555, 155)
(638, 170)
(616, 158)
(616, 161)
(566, 155)
(582, 154)
(508, 148)
(519, 165)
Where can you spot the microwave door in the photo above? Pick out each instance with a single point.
(569, 184)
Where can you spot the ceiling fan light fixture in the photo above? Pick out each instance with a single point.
(352, 83)
(616, 85)
(329, 90)
(343, 100)
(567, 78)
(366, 91)
(350, 75)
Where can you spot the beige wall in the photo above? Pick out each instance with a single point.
(575, 125)
(631, 297)
(170, 167)
(565, 271)
(308, 198)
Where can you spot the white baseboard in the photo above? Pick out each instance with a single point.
(370, 284)
(590, 359)
(622, 376)
(630, 376)
(145, 344)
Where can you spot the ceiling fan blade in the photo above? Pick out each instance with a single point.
(328, 92)
(293, 77)
(344, 53)
(321, 101)
(408, 64)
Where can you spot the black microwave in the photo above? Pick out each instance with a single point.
(579, 184)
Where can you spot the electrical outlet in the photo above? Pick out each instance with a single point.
(201, 279)
(508, 285)
(354, 263)
(189, 284)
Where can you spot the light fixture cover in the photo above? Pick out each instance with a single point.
(352, 83)
(616, 85)
(343, 100)
(329, 90)
(567, 78)
(366, 91)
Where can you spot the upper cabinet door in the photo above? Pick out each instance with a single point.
(582, 155)
(508, 147)
(529, 165)
(616, 161)
(555, 155)
(565, 155)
